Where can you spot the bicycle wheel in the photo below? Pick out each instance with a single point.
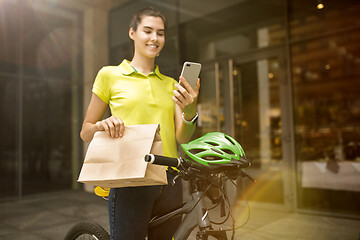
(87, 230)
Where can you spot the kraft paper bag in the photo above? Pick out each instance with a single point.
(119, 162)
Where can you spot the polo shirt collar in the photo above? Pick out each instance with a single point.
(157, 72)
(127, 69)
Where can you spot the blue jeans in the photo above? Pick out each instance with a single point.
(131, 208)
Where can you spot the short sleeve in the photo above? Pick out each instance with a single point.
(101, 86)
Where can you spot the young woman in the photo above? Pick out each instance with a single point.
(138, 93)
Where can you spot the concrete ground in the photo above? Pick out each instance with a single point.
(50, 216)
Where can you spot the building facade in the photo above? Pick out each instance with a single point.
(282, 77)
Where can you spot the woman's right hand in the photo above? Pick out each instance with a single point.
(92, 123)
(113, 126)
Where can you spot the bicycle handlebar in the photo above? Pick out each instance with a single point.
(162, 160)
(231, 168)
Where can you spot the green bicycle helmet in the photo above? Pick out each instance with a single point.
(214, 148)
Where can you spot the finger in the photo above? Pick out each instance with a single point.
(185, 84)
(99, 126)
(105, 127)
(179, 95)
(185, 99)
(185, 94)
(178, 102)
(197, 87)
(111, 125)
(122, 129)
(117, 124)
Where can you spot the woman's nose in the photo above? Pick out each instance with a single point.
(154, 36)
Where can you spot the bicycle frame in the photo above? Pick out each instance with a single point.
(196, 212)
(196, 215)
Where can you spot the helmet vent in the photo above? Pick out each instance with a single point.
(229, 140)
(228, 151)
(211, 158)
(217, 151)
(196, 150)
(212, 144)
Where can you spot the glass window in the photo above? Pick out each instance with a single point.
(48, 43)
(46, 135)
(9, 131)
(234, 29)
(10, 28)
(208, 107)
(212, 100)
(39, 74)
(119, 52)
(326, 84)
(258, 126)
(307, 21)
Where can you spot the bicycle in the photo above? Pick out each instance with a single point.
(207, 178)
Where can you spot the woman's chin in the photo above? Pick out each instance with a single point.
(152, 55)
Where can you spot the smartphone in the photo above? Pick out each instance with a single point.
(190, 72)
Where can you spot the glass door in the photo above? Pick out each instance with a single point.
(260, 120)
(215, 104)
(248, 98)
(211, 98)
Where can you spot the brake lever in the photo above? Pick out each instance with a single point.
(174, 179)
(245, 175)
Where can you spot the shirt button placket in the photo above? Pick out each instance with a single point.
(150, 90)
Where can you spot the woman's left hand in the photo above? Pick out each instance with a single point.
(186, 97)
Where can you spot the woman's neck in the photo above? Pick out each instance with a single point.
(143, 65)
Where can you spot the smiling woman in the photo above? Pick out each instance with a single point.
(137, 93)
(146, 28)
(149, 40)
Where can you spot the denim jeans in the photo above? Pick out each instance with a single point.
(131, 208)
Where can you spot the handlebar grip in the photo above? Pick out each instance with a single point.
(162, 160)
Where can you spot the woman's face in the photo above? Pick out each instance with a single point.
(149, 38)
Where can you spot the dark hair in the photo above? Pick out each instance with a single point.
(150, 11)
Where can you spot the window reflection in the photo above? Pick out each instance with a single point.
(208, 109)
(37, 109)
(258, 126)
(46, 133)
(10, 37)
(306, 21)
(325, 73)
(8, 131)
(234, 29)
(48, 43)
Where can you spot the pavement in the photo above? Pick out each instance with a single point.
(50, 216)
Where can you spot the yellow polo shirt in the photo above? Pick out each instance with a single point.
(139, 99)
